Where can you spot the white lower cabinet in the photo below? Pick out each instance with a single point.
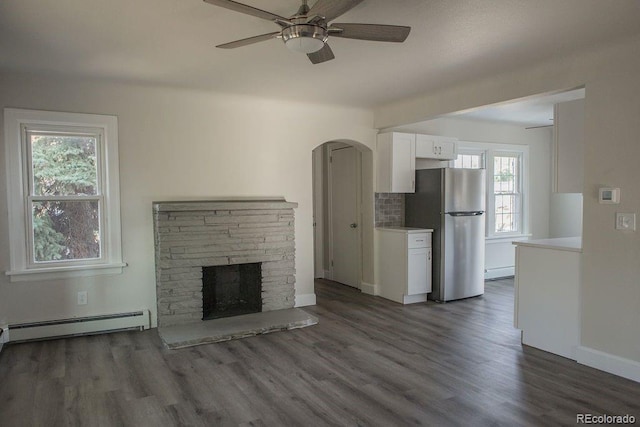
(547, 294)
(404, 263)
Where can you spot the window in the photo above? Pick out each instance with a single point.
(469, 160)
(505, 183)
(62, 194)
(506, 193)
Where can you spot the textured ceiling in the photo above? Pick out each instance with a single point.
(172, 42)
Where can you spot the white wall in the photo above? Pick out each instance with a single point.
(610, 289)
(565, 217)
(177, 144)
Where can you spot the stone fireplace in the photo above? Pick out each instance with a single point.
(253, 240)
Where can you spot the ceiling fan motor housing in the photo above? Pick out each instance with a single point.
(306, 38)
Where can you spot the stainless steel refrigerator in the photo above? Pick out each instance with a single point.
(452, 203)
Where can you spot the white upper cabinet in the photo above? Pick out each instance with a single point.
(436, 147)
(568, 147)
(396, 163)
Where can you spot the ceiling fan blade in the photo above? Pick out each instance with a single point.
(248, 41)
(373, 32)
(331, 9)
(323, 55)
(249, 10)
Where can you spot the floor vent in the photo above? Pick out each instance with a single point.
(79, 326)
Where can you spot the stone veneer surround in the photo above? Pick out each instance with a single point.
(195, 234)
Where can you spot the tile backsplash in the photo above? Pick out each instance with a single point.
(389, 209)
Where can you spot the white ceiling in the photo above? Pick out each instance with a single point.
(172, 42)
(532, 112)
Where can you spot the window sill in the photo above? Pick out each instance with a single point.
(52, 273)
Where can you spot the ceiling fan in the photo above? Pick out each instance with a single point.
(308, 30)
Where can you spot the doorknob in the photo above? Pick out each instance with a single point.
(353, 225)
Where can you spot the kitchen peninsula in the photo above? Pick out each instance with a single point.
(547, 294)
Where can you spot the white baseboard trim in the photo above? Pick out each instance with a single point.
(610, 363)
(412, 299)
(305, 299)
(4, 337)
(368, 288)
(496, 273)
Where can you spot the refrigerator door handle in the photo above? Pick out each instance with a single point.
(476, 213)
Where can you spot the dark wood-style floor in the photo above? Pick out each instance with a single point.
(368, 362)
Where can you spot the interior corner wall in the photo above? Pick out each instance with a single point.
(610, 287)
(177, 144)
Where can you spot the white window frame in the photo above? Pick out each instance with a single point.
(472, 151)
(16, 121)
(491, 150)
(491, 202)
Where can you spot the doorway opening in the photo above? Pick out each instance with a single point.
(342, 207)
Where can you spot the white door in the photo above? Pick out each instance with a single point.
(345, 229)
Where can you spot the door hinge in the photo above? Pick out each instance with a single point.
(331, 263)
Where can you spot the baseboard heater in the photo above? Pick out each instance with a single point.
(79, 326)
(499, 273)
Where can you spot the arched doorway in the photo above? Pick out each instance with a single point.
(343, 213)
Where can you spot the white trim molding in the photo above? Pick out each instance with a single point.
(368, 288)
(610, 363)
(4, 337)
(305, 300)
(22, 265)
(497, 273)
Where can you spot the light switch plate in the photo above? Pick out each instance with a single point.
(625, 221)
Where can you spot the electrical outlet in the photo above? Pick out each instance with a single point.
(82, 297)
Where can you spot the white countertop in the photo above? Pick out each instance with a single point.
(409, 230)
(573, 244)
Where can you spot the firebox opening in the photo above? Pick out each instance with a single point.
(231, 290)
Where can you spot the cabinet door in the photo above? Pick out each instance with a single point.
(418, 279)
(396, 160)
(403, 164)
(435, 147)
(425, 146)
(446, 150)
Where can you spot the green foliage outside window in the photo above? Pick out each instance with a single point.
(62, 166)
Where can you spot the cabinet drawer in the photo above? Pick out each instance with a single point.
(419, 240)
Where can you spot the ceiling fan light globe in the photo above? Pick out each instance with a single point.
(304, 44)
(304, 38)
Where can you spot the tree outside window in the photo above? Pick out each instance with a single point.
(64, 196)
